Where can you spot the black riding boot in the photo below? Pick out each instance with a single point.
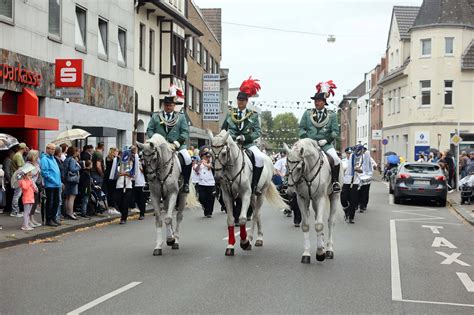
(336, 186)
(186, 175)
(257, 172)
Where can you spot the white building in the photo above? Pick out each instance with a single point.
(36, 32)
(363, 112)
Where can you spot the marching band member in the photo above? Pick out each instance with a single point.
(350, 188)
(365, 180)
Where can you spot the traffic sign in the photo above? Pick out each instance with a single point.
(456, 139)
(385, 141)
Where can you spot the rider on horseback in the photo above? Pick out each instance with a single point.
(173, 127)
(320, 124)
(243, 126)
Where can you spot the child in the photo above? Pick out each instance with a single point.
(85, 187)
(28, 189)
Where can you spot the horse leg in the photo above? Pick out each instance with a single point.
(319, 206)
(331, 223)
(303, 204)
(159, 233)
(257, 218)
(179, 218)
(229, 204)
(244, 242)
(170, 205)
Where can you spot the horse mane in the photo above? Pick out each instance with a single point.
(157, 140)
(308, 145)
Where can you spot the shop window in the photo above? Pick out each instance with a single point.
(54, 19)
(81, 29)
(7, 11)
(122, 49)
(102, 38)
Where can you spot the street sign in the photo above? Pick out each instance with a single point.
(69, 73)
(385, 141)
(456, 139)
(70, 93)
(377, 134)
(211, 100)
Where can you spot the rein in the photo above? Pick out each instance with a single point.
(309, 182)
(155, 171)
(227, 164)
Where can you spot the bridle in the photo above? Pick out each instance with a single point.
(302, 178)
(225, 166)
(154, 172)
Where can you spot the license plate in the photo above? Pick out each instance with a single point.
(421, 182)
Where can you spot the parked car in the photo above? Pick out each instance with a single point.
(424, 181)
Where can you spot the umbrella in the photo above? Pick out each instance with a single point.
(389, 153)
(70, 135)
(7, 141)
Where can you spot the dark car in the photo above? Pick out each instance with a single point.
(424, 181)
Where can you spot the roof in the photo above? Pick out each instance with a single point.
(357, 92)
(394, 73)
(213, 18)
(467, 61)
(405, 16)
(445, 12)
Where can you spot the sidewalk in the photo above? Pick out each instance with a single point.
(11, 235)
(465, 210)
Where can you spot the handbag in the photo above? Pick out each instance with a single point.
(3, 198)
(72, 177)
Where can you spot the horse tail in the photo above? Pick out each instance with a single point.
(274, 198)
(191, 200)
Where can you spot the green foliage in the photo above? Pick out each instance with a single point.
(284, 129)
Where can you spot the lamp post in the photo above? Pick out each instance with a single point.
(439, 140)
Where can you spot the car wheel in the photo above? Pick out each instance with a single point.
(442, 203)
(397, 200)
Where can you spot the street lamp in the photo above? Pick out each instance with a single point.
(439, 140)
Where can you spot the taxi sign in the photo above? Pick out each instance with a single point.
(456, 139)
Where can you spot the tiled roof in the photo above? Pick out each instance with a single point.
(467, 62)
(405, 16)
(446, 12)
(357, 92)
(213, 19)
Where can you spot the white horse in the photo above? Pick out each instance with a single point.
(233, 170)
(309, 174)
(163, 171)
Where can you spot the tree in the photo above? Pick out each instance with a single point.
(285, 130)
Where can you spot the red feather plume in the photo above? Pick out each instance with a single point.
(326, 87)
(250, 86)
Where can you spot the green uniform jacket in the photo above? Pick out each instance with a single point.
(179, 132)
(251, 129)
(329, 132)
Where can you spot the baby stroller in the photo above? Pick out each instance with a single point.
(467, 186)
(97, 199)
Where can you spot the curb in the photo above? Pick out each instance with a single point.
(60, 231)
(462, 212)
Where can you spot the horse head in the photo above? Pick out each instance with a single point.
(295, 160)
(150, 158)
(221, 145)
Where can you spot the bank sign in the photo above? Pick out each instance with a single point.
(69, 73)
(422, 138)
(19, 74)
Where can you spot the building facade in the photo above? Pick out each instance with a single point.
(35, 33)
(376, 113)
(430, 92)
(348, 116)
(363, 111)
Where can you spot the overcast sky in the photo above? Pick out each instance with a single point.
(290, 64)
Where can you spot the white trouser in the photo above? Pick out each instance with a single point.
(332, 152)
(186, 156)
(259, 156)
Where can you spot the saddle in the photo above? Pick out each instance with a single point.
(331, 161)
(251, 157)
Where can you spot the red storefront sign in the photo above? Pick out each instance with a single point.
(18, 74)
(69, 73)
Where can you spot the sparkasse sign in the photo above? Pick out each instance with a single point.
(19, 74)
(69, 73)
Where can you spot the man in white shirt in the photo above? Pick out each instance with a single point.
(206, 185)
(280, 165)
(366, 179)
(350, 189)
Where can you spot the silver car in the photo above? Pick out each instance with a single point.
(419, 181)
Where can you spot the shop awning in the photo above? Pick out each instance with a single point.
(28, 122)
(99, 131)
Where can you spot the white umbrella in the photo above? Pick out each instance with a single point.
(7, 141)
(70, 135)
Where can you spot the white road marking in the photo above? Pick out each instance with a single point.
(442, 242)
(468, 283)
(390, 200)
(396, 282)
(236, 234)
(450, 258)
(433, 228)
(438, 303)
(103, 298)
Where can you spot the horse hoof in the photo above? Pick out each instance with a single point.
(175, 246)
(320, 257)
(329, 254)
(170, 241)
(246, 245)
(258, 243)
(306, 259)
(229, 252)
(157, 252)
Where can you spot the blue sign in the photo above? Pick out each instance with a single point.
(385, 141)
(421, 149)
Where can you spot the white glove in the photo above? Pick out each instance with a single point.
(240, 138)
(322, 143)
(176, 144)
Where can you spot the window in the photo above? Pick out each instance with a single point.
(204, 59)
(191, 46)
(399, 98)
(189, 97)
(212, 65)
(152, 104)
(426, 47)
(141, 53)
(449, 45)
(80, 28)
(448, 93)
(199, 52)
(425, 89)
(198, 101)
(103, 36)
(389, 102)
(151, 66)
(122, 49)
(54, 18)
(217, 67)
(179, 56)
(7, 8)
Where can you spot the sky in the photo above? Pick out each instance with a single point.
(289, 65)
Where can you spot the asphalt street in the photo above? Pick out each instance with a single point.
(411, 258)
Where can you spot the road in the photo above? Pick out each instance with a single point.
(414, 258)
